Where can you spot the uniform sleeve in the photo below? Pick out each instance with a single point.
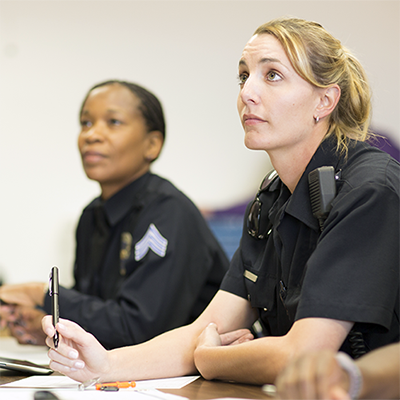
(161, 290)
(233, 281)
(354, 272)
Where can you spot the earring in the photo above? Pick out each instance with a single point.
(316, 119)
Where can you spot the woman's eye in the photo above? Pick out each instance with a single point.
(86, 124)
(115, 122)
(273, 76)
(242, 79)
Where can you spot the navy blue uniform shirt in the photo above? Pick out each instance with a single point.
(348, 272)
(169, 268)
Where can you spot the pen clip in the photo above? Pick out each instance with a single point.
(51, 283)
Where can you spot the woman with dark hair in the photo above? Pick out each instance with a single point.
(146, 261)
(324, 277)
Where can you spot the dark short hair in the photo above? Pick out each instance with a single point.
(150, 106)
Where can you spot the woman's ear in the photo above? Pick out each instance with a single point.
(328, 101)
(155, 142)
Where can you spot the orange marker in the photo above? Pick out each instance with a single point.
(119, 385)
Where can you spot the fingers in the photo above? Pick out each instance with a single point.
(78, 355)
(12, 294)
(212, 328)
(243, 339)
(65, 359)
(47, 326)
(71, 367)
(311, 376)
(68, 329)
(21, 334)
(73, 332)
(71, 336)
(288, 382)
(18, 326)
(209, 336)
(26, 294)
(236, 337)
(49, 330)
(338, 393)
(7, 313)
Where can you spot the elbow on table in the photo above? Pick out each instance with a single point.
(204, 364)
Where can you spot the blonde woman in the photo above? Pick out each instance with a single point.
(304, 99)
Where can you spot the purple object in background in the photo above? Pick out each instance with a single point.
(384, 143)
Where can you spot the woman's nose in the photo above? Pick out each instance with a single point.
(250, 92)
(94, 133)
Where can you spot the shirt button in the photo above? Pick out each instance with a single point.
(265, 309)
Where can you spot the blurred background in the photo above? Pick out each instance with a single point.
(186, 52)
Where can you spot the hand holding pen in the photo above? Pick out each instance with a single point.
(53, 292)
(80, 355)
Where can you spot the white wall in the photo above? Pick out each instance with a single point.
(51, 52)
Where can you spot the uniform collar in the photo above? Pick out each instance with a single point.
(299, 204)
(117, 206)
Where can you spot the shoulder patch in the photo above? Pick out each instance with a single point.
(152, 240)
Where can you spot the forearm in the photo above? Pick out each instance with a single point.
(167, 355)
(261, 360)
(255, 362)
(172, 353)
(381, 373)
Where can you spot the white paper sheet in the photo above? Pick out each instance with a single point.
(123, 394)
(63, 382)
(67, 389)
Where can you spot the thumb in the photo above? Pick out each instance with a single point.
(337, 393)
(47, 326)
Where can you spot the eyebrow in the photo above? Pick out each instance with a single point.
(263, 60)
(110, 111)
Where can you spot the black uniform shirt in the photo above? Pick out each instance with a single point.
(349, 272)
(169, 268)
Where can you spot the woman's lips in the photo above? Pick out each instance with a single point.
(92, 157)
(251, 119)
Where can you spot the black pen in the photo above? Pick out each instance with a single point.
(53, 292)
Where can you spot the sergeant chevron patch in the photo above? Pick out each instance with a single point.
(151, 240)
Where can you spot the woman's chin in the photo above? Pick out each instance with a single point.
(253, 144)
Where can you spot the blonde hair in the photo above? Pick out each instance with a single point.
(322, 60)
